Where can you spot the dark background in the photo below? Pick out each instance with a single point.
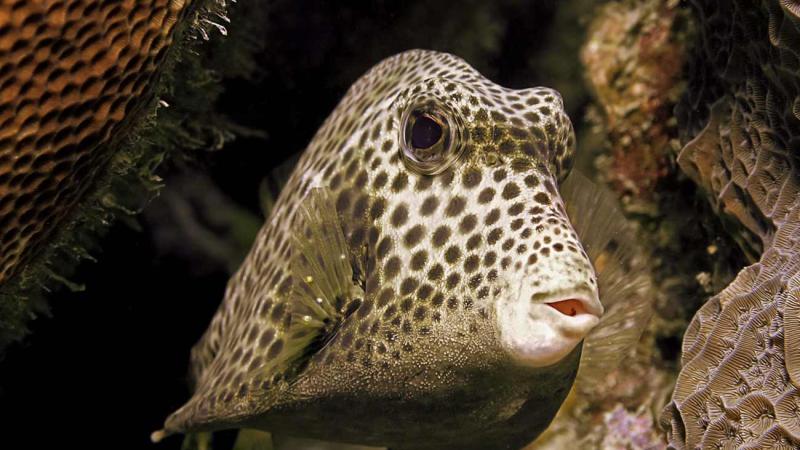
(109, 363)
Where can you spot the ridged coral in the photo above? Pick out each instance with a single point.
(738, 387)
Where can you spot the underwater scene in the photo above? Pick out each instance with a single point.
(400, 225)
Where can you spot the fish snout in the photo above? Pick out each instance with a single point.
(577, 311)
(554, 307)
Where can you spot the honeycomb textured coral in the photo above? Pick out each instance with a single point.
(738, 387)
(73, 74)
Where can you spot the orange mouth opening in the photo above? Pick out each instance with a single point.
(570, 307)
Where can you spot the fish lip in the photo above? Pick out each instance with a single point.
(535, 334)
(587, 297)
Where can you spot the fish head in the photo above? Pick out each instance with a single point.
(473, 215)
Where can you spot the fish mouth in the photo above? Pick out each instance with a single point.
(570, 307)
(581, 309)
(542, 329)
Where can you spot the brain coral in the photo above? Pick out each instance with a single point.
(738, 387)
(73, 75)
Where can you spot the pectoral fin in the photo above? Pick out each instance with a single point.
(322, 270)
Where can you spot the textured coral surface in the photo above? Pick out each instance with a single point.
(72, 75)
(738, 387)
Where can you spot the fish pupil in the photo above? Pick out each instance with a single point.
(425, 132)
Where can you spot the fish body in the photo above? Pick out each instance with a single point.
(418, 283)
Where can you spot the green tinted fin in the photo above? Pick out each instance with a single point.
(322, 270)
(622, 277)
(197, 441)
(249, 439)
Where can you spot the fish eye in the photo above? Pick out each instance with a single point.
(426, 131)
(428, 137)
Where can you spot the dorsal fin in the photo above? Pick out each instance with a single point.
(272, 184)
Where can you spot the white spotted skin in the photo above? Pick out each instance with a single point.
(455, 268)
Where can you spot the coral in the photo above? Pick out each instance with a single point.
(634, 57)
(741, 354)
(73, 75)
(82, 129)
(629, 431)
